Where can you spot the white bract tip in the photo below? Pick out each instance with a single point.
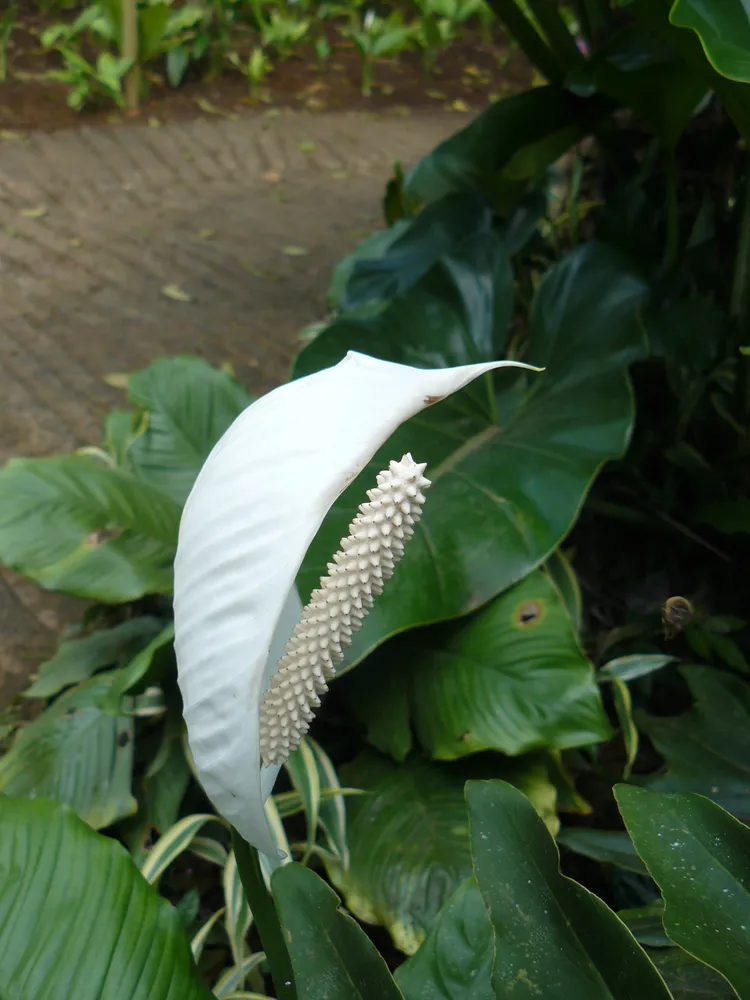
(240, 632)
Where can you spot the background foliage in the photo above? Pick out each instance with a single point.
(563, 652)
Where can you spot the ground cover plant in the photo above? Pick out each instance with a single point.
(559, 663)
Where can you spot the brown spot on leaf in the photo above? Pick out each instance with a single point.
(528, 613)
(429, 400)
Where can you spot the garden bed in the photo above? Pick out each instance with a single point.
(467, 75)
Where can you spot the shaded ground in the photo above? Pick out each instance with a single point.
(99, 229)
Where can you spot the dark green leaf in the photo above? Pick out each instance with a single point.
(77, 659)
(455, 960)
(152, 659)
(472, 158)
(373, 247)
(609, 846)
(553, 937)
(700, 857)
(689, 979)
(707, 749)
(519, 457)
(332, 957)
(76, 753)
(728, 516)
(439, 231)
(724, 31)
(638, 72)
(646, 924)
(188, 406)
(408, 840)
(78, 920)
(513, 678)
(75, 525)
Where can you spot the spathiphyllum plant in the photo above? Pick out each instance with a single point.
(252, 663)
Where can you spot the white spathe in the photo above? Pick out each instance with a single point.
(256, 506)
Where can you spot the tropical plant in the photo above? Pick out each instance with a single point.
(529, 674)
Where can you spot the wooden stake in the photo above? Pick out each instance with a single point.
(130, 51)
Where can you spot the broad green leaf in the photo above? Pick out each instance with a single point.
(627, 668)
(689, 979)
(373, 247)
(78, 920)
(511, 678)
(332, 957)
(519, 456)
(635, 70)
(440, 231)
(471, 158)
(707, 749)
(78, 658)
(76, 753)
(187, 406)
(552, 936)
(609, 846)
(408, 840)
(75, 525)
(455, 960)
(700, 857)
(724, 31)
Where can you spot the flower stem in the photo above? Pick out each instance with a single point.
(265, 916)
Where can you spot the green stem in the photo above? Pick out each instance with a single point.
(673, 209)
(740, 306)
(265, 917)
(528, 38)
(575, 194)
(558, 37)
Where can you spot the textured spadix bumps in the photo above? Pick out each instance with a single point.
(367, 557)
(258, 502)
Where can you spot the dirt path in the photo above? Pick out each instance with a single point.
(103, 232)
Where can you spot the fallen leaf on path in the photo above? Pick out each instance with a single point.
(436, 95)
(213, 109)
(271, 177)
(294, 251)
(118, 380)
(206, 234)
(154, 123)
(9, 135)
(306, 147)
(74, 241)
(176, 293)
(34, 213)
(340, 175)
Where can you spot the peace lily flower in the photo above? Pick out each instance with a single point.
(252, 664)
